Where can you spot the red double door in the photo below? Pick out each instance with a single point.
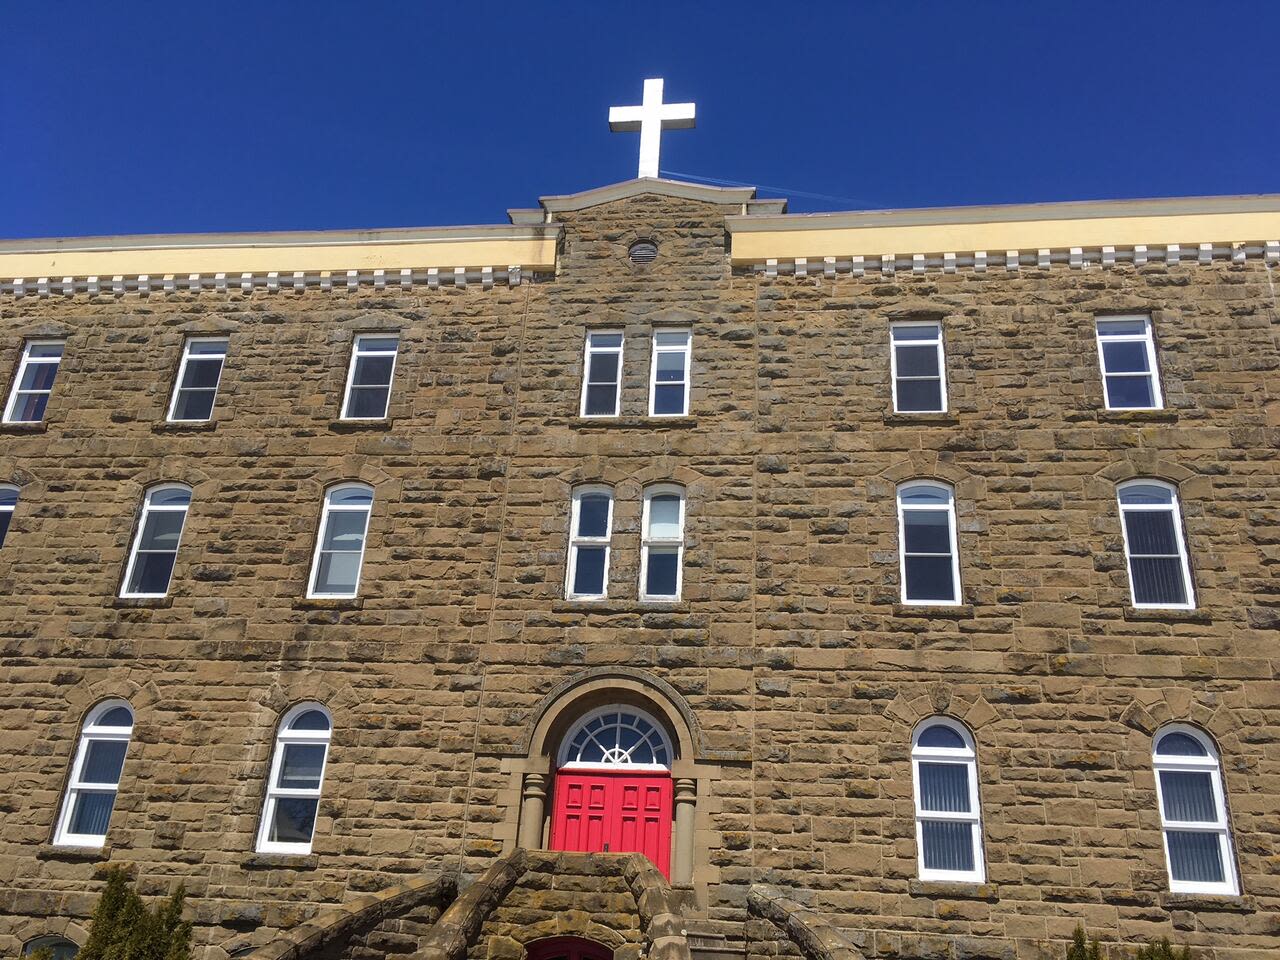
(597, 811)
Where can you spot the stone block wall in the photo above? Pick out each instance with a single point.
(789, 645)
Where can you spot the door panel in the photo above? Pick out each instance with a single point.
(617, 812)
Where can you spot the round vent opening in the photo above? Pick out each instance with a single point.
(643, 251)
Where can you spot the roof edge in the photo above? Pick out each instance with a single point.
(641, 185)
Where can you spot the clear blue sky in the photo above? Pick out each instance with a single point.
(129, 117)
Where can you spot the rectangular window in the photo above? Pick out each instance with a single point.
(344, 526)
(1159, 571)
(918, 368)
(669, 381)
(662, 546)
(196, 387)
(1127, 354)
(602, 378)
(927, 544)
(590, 523)
(373, 363)
(155, 549)
(34, 382)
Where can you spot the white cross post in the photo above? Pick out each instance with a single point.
(651, 118)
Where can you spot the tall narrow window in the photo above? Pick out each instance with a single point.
(928, 555)
(95, 776)
(669, 382)
(1193, 811)
(373, 363)
(1159, 574)
(1127, 353)
(297, 775)
(155, 547)
(662, 546)
(8, 504)
(948, 821)
(602, 379)
(590, 524)
(196, 388)
(344, 526)
(919, 370)
(34, 382)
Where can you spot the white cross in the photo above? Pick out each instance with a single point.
(651, 118)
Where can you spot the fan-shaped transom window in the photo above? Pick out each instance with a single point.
(617, 737)
(1197, 837)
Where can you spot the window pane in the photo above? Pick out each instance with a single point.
(373, 371)
(171, 497)
(588, 579)
(1180, 745)
(917, 361)
(368, 402)
(345, 530)
(294, 820)
(115, 717)
(29, 407)
(671, 338)
(1150, 531)
(606, 339)
(45, 350)
(301, 766)
(38, 376)
(668, 399)
(310, 720)
(919, 395)
(207, 348)
(1148, 493)
(603, 368)
(1188, 796)
(661, 573)
(944, 787)
(1130, 392)
(8, 497)
(351, 496)
(103, 761)
(925, 332)
(1128, 356)
(1195, 857)
(1118, 328)
(593, 515)
(948, 845)
(338, 573)
(60, 947)
(151, 573)
(378, 343)
(5, 517)
(1158, 580)
(929, 578)
(927, 531)
(925, 494)
(91, 813)
(664, 516)
(602, 400)
(162, 530)
(193, 405)
(670, 366)
(941, 736)
(202, 373)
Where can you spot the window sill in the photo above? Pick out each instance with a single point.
(184, 426)
(921, 419)
(959, 611)
(359, 426)
(619, 606)
(328, 603)
(637, 423)
(143, 603)
(1170, 615)
(281, 861)
(1138, 416)
(40, 426)
(70, 854)
(1209, 902)
(954, 890)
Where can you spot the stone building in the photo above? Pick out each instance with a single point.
(658, 574)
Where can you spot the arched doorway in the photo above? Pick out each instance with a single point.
(567, 948)
(612, 791)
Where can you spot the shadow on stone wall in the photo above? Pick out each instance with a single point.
(807, 932)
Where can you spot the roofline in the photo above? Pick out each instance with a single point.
(655, 185)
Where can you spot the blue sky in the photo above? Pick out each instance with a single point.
(137, 117)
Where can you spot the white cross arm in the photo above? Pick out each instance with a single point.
(674, 116)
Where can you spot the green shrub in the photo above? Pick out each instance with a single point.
(1155, 950)
(1160, 950)
(1079, 950)
(124, 929)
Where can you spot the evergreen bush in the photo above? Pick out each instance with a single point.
(123, 928)
(1081, 949)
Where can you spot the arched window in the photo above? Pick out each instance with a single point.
(1159, 575)
(293, 786)
(344, 526)
(95, 776)
(8, 504)
(948, 817)
(928, 555)
(1193, 812)
(155, 545)
(590, 531)
(60, 948)
(662, 543)
(616, 737)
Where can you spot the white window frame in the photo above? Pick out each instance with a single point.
(356, 354)
(1184, 558)
(687, 351)
(328, 508)
(968, 756)
(1212, 765)
(148, 508)
(587, 351)
(938, 343)
(950, 508)
(273, 793)
(622, 760)
(576, 541)
(9, 508)
(647, 542)
(178, 388)
(28, 360)
(91, 731)
(1147, 337)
